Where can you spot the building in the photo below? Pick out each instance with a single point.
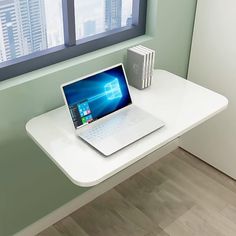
(2, 48)
(113, 14)
(89, 28)
(23, 28)
(33, 25)
(129, 21)
(10, 30)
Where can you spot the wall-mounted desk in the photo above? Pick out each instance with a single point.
(181, 104)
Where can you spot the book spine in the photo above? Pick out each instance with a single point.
(149, 65)
(153, 64)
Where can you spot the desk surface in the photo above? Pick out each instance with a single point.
(181, 104)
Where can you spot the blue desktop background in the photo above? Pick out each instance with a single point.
(105, 92)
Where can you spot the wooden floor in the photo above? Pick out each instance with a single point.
(178, 195)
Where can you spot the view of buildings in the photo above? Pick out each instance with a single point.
(113, 14)
(28, 26)
(22, 28)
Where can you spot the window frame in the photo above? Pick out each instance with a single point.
(72, 47)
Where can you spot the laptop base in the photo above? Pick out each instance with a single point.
(118, 130)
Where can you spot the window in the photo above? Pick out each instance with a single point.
(103, 16)
(29, 26)
(38, 33)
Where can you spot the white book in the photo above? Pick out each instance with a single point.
(152, 62)
(147, 64)
(136, 68)
(149, 55)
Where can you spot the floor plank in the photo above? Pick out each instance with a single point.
(205, 168)
(207, 183)
(111, 214)
(178, 195)
(191, 185)
(162, 233)
(51, 231)
(230, 212)
(192, 224)
(70, 227)
(162, 204)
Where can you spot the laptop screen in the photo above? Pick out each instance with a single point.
(97, 95)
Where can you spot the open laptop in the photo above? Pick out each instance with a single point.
(102, 112)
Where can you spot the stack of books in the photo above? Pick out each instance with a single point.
(140, 62)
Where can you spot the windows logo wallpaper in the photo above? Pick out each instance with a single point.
(112, 90)
(96, 96)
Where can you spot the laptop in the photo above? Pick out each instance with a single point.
(102, 112)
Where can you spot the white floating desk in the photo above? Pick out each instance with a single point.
(181, 104)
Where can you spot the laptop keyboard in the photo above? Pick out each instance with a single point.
(101, 131)
(112, 126)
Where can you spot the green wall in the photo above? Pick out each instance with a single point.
(30, 185)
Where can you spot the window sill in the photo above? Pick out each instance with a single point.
(73, 62)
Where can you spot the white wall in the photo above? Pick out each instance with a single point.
(213, 65)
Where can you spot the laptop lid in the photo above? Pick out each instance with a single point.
(97, 95)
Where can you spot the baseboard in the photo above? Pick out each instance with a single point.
(96, 191)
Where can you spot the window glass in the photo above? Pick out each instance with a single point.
(32, 31)
(97, 16)
(28, 26)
